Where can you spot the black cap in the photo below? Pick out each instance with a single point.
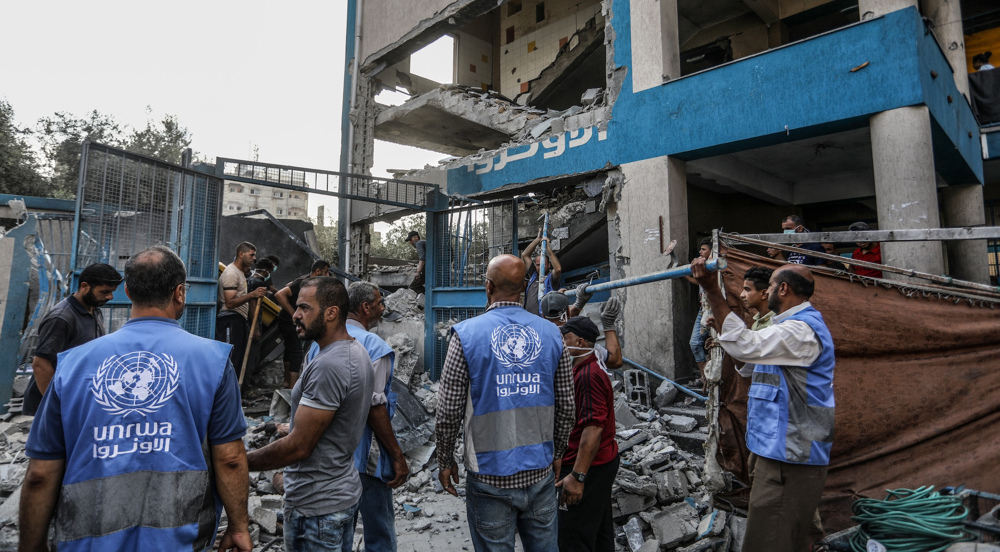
(553, 305)
(583, 327)
(411, 234)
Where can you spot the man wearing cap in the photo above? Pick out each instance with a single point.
(555, 308)
(866, 251)
(74, 321)
(509, 381)
(413, 238)
(590, 464)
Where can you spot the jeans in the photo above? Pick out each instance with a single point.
(378, 516)
(325, 533)
(698, 335)
(496, 514)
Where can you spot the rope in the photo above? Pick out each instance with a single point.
(911, 520)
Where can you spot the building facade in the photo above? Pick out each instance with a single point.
(239, 197)
(670, 118)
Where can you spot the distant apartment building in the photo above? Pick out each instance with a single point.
(239, 198)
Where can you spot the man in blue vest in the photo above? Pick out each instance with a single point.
(511, 369)
(378, 458)
(139, 437)
(790, 409)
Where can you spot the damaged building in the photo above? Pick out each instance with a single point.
(634, 123)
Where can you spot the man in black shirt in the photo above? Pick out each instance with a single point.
(413, 238)
(74, 321)
(287, 297)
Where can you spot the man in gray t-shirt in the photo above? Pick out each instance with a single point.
(413, 238)
(330, 405)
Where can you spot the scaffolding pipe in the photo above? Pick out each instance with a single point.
(713, 265)
(541, 266)
(679, 387)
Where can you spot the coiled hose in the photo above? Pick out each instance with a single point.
(911, 520)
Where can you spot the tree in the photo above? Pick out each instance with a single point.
(166, 142)
(390, 245)
(19, 170)
(326, 239)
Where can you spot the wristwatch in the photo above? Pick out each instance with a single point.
(581, 477)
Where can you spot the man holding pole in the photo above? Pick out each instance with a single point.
(790, 410)
(232, 322)
(552, 278)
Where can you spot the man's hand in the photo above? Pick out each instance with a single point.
(582, 296)
(572, 491)
(402, 472)
(609, 313)
(281, 430)
(237, 541)
(258, 293)
(701, 274)
(449, 478)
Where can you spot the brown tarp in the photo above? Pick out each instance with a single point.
(917, 385)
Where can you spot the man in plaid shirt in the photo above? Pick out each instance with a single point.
(511, 367)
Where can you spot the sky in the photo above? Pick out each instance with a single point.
(237, 74)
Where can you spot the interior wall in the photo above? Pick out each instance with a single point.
(536, 43)
(384, 23)
(475, 61)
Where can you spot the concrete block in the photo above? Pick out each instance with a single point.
(712, 524)
(675, 524)
(21, 385)
(672, 486)
(627, 504)
(590, 96)
(266, 518)
(272, 501)
(738, 529)
(683, 424)
(9, 508)
(623, 414)
(666, 393)
(652, 545)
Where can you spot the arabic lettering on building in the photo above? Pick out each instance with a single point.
(553, 146)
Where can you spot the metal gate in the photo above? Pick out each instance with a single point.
(993, 246)
(128, 202)
(460, 243)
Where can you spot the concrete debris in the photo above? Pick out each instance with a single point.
(403, 301)
(665, 394)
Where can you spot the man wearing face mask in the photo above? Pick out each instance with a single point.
(555, 308)
(793, 224)
(590, 464)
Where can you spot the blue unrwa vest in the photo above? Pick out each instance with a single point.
(374, 462)
(512, 356)
(136, 406)
(790, 409)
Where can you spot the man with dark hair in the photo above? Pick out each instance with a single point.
(413, 238)
(534, 264)
(260, 275)
(699, 332)
(866, 251)
(233, 321)
(378, 458)
(118, 440)
(555, 308)
(793, 224)
(590, 464)
(330, 403)
(508, 377)
(74, 321)
(287, 298)
(790, 410)
(755, 283)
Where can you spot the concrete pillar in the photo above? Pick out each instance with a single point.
(656, 52)
(905, 186)
(875, 8)
(658, 316)
(963, 206)
(946, 17)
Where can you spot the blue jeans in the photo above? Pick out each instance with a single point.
(495, 514)
(326, 533)
(378, 515)
(698, 335)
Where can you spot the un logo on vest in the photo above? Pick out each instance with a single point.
(139, 381)
(516, 346)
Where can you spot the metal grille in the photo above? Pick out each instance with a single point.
(444, 319)
(468, 238)
(56, 234)
(993, 246)
(387, 191)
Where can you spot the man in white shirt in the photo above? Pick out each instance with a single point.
(790, 409)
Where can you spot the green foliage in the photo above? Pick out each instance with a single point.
(390, 245)
(326, 238)
(62, 135)
(19, 170)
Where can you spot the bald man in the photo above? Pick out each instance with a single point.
(508, 379)
(790, 406)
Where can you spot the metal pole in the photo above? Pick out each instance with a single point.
(679, 387)
(541, 266)
(713, 265)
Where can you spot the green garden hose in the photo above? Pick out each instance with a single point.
(920, 520)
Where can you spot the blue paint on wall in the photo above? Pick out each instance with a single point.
(769, 98)
(993, 145)
(42, 203)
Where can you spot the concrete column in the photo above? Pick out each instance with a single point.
(875, 8)
(658, 317)
(905, 186)
(656, 55)
(963, 206)
(946, 16)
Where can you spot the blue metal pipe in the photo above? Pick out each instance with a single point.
(541, 266)
(679, 387)
(713, 265)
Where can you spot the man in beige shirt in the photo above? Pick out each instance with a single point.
(232, 323)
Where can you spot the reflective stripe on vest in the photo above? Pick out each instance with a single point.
(162, 500)
(512, 357)
(790, 410)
